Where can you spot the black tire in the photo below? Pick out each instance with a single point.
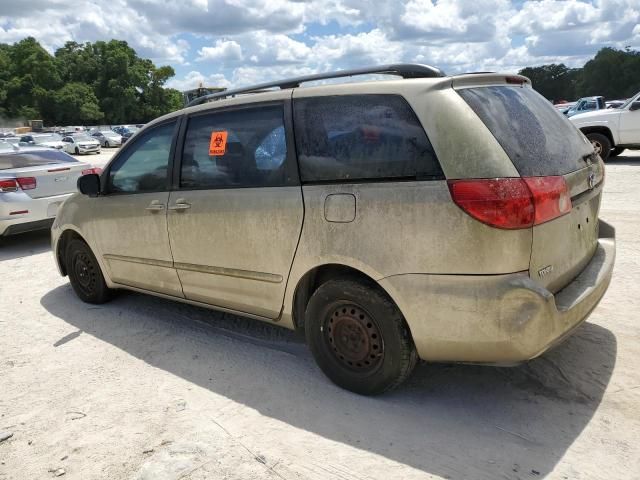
(601, 144)
(377, 355)
(615, 151)
(106, 144)
(85, 275)
(77, 151)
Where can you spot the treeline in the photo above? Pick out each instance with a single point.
(81, 84)
(614, 74)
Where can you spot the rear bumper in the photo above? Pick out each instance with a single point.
(499, 319)
(40, 212)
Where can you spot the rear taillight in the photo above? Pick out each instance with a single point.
(27, 183)
(89, 171)
(8, 186)
(512, 203)
(550, 197)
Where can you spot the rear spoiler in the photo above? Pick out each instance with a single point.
(486, 79)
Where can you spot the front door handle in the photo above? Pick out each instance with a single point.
(180, 204)
(155, 206)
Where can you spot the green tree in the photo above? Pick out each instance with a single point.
(554, 81)
(76, 103)
(611, 73)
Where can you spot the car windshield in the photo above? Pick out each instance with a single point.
(52, 137)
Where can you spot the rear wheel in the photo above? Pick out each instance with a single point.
(85, 275)
(358, 337)
(77, 151)
(601, 144)
(615, 151)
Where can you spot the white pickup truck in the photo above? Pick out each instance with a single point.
(613, 130)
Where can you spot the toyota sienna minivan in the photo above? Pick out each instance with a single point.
(433, 217)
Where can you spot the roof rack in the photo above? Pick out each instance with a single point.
(404, 70)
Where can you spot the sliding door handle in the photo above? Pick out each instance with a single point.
(155, 206)
(180, 204)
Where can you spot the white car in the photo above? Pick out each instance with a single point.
(81, 143)
(613, 130)
(33, 184)
(49, 140)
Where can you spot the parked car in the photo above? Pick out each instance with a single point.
(564, 107)
(34, 182)
(50, 140)
(81, 144)
(612, 131)
(586, 104)
(108, 138)
(390, 221)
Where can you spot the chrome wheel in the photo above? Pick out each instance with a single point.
(597, 146)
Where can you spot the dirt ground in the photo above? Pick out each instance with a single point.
(143, 388)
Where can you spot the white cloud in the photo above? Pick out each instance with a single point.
(224, 51)
(195, 79)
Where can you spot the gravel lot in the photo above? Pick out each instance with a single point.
(144, 388)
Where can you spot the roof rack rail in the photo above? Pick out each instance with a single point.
(404, 70)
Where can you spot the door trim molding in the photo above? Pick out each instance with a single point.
(144, 261)
(230, 272)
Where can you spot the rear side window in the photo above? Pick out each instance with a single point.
(539, 140)
(236, 148)
(361, 137)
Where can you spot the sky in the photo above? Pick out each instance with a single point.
(241, 42)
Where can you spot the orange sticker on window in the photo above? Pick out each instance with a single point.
(218, 143)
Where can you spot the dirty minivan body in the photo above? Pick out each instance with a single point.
(448, 219)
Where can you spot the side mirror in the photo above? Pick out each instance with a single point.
(89, 184)
(635, 106)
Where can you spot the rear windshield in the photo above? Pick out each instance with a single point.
(33, 159)
(539, 140)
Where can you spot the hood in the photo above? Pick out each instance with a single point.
(595, 114)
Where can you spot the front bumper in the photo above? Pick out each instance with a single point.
(40, 212)
(498, 319)
(91, 149)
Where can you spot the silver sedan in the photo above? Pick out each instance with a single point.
(107, 138)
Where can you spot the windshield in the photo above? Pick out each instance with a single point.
(53, 137)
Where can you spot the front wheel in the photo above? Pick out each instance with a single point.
(106, 144)
(85, 275)
(358, 337)
(601, 144)
(77, 151)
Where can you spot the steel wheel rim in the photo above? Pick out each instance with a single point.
(353, 338)
(85, 273)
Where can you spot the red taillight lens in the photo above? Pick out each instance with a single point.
(550, 196)
(8, 185)
(512, 203)
(89, 171)
(27, 183)
(499, 202)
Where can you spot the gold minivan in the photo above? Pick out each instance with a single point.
(446, 218)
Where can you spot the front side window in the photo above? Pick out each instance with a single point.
(237, 148)
(144, 165)
(361, 137)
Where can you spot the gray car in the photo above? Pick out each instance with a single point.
(108, 138)
(433, 217)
